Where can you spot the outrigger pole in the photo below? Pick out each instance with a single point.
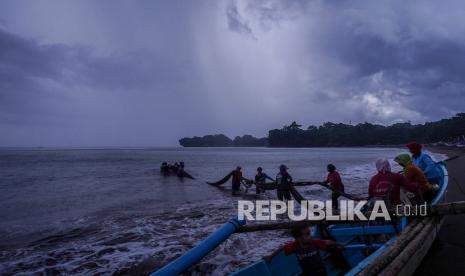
(194, 255)
(431, 210)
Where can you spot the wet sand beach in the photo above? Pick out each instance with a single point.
(447, 254)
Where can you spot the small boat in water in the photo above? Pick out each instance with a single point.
(357, 257)
(174, 170)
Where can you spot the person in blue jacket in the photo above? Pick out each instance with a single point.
(425, 163)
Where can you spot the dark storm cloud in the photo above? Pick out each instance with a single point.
(133, 70)
(25, 67)
(368, 54)
(421, 68)
(270, 12)
(151, 72)
(427, 71)
(30, 74)
(236, 22)
(26, 59)
(394, 54)
(59, 94)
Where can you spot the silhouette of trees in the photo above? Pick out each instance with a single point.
(220, 140)
(337, 135)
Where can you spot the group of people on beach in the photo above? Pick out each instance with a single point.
(420, 175)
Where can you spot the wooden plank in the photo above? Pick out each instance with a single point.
(433, 210)
(281, 225)
(363, 230)
(385, 258)
(410, 257)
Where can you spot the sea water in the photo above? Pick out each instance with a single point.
(109, 211)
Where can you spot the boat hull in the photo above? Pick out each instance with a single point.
(416, 258)
(358, 254)
(288, 265)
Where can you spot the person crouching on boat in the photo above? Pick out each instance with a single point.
(425, 163)
(260, 180)
(416, 175)
(385, 185)
(334, 180)
(284, 182)
(307, 251)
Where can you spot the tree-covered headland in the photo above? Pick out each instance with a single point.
(341, 135)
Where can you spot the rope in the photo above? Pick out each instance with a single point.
(248, 185)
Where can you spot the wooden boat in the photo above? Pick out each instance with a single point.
(175, 172)
(358, 257)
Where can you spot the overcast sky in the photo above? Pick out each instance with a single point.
(146, 73)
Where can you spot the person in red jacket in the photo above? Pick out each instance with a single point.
(236, 180)
(306, 249)
(334, 180)
(386, 184)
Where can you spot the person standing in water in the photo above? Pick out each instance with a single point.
(165, 168)
(260, 179)
(284, 182)
(237, 178)
(334, 180)
(180, 171)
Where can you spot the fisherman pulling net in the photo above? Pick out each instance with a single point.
(237, 180)
(284, 185)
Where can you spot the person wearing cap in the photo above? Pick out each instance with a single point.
(415, 175)
(334, 180)
(260, 179)
(284, 182)
(424, 161)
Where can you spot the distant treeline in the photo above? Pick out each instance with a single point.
(220, 140)
(339, 135)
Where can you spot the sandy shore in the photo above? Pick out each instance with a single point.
(447, 254)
